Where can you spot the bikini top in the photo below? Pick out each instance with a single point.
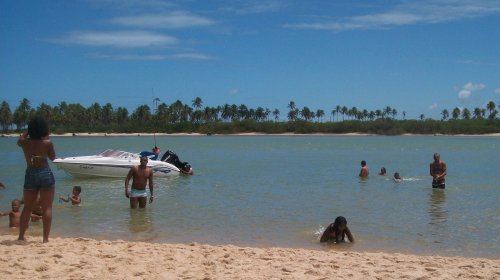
(34, 159)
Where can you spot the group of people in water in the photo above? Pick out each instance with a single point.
(437, 170)
(39, 185)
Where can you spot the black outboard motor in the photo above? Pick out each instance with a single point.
(172, 158)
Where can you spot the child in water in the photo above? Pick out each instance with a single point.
(397, 178)
(75, 196)
(14, 214)
(337, 231)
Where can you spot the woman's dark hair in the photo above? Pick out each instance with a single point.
(339, 221)
(38, 128)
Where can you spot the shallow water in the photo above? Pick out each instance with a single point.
(283, 190)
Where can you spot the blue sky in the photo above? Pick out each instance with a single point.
(416, 56)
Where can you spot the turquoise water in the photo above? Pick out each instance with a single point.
(283, 190)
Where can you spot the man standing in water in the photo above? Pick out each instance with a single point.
(141, 175)
(364, 170)
(438, 172)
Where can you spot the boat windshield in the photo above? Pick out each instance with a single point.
(116, 154)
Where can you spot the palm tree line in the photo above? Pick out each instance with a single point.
(66, 117)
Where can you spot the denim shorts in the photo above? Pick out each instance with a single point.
(36, 178)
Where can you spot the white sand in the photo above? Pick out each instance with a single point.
(82, 258)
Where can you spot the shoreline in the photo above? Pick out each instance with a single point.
(78, 258)
(140, 134)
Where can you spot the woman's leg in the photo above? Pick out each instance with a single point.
(46, 199)
(29, 196)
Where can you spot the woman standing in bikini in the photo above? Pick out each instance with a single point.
(39, 179)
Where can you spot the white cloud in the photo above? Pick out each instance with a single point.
(247, 7)
(467, 90)
(153, 57)
(233, 91)
(118, 39)
(433, 106)
(410, 12)
(497, 90)
(177, 19)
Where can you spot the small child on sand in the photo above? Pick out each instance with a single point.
(75, 196)
(14, 214)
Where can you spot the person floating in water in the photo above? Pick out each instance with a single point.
(438, 172)
(382, 171)
(337, 231)
(140, 175)
(364, 170)
(397, 178)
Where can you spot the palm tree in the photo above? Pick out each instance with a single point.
(491, 107)
(305, 113)
(422, 117)
(344, 111)
(197, 102)
(394, 112)
(319, 114)
(5, 116)
(455, 113)
(276, 114)
(445, 114)
(465, 114)
(387, 111)
(477, 113)
(21, 114)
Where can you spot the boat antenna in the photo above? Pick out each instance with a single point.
(155, 113)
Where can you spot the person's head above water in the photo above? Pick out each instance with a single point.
(382, 171)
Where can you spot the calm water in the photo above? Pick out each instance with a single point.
(283, 190)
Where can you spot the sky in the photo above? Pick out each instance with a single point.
(420, 57)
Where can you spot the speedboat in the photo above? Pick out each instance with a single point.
(113, 163)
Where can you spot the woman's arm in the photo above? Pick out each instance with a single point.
(22, 138)
(349, 235)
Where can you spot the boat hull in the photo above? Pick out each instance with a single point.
(83, 169)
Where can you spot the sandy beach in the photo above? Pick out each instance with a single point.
(83, 258)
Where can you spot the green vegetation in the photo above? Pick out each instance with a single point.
(229, 119)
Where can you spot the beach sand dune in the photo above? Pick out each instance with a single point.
(83, 258)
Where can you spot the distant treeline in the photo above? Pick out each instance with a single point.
(228, 119)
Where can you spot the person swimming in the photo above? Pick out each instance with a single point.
(397, 178)
(382, 171)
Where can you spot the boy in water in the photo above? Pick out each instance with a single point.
(14, 214)
(141, 175)
(364, 170)
(75, 196)
(438, 172)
